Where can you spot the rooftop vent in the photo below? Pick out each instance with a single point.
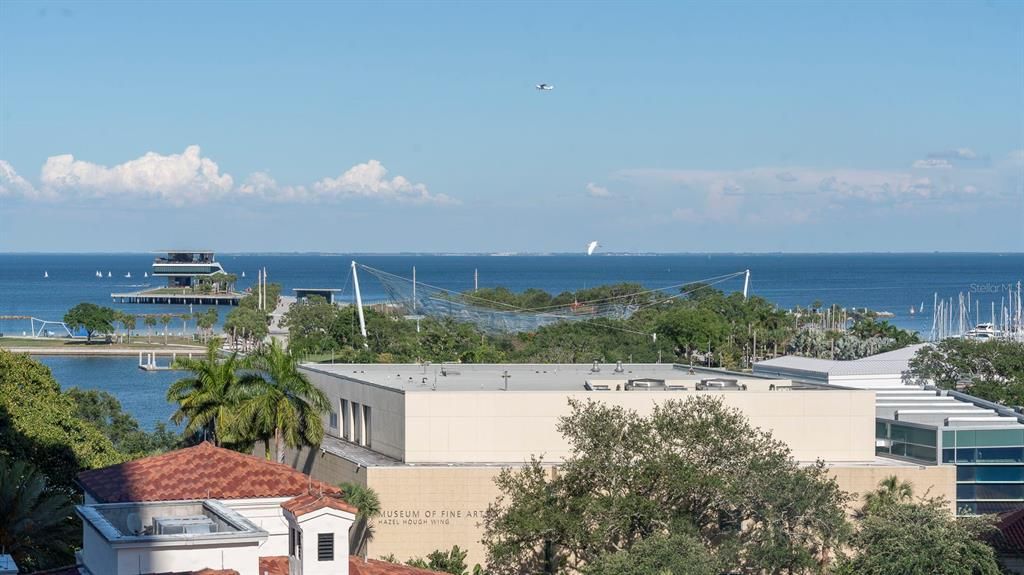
(645, 384)
(596, 368)
(720, 384)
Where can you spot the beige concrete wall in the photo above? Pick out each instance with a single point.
(469, 427)
(935, 480)
(429, 508)
(387, 421)
(328, 468)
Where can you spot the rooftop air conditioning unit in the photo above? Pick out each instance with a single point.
(192, 525)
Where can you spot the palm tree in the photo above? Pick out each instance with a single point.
(207, 399)
(150, 322)
(366, 501)
(891, 490)
(165, 319)
(278, 400)
(128, 321)
(36, 523)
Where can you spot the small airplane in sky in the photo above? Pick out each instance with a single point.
(545, 87)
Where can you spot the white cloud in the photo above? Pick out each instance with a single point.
(795, 194)
(596, 191)
(12, 184)
(177, 178)
(369, 180)
(189, 178)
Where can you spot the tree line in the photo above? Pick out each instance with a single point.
(102, 320)
(702, 325)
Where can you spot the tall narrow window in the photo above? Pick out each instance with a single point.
(366, 425)
(346, 420)
(334, 420)
(291, 542)
(357, 423)
(325, 546)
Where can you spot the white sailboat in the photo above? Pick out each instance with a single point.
(46, 274)
(243, 273)
(109, 275)
(145, 274)
(99, 274)
(128, 275)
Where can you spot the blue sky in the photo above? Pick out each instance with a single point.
(415, 127)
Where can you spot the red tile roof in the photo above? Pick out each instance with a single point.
(310, 502)
(1011, 524)
(360, 566)
(200, 472)
(274, 565)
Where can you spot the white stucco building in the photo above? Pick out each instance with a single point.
(205, 510)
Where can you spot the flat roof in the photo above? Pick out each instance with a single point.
(889, 363)
(412, 377)
(317, 289)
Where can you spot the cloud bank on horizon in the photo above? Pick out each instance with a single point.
(950, 180)
(189, 178)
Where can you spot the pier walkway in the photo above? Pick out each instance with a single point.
(174, 297)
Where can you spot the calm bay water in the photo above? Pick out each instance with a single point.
(141, 393)
(886, 282)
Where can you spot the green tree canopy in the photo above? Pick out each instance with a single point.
(901, 536)
(247, 323)
(104, 412)
(696, 467)
(208, 398)
(92, 318)
(275, 399)
(992, 370)
(37, 523)
(309, 325)
(39, 423)
(368, 503)
(451, 561)
(676, 554)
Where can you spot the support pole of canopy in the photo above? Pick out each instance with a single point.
(746, 283)
(414, 295)
(359, 302)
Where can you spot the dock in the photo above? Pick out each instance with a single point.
(148, 361)
(167, 296)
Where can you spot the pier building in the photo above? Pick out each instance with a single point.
(430, 439)
(189, 275)
(183, 267)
